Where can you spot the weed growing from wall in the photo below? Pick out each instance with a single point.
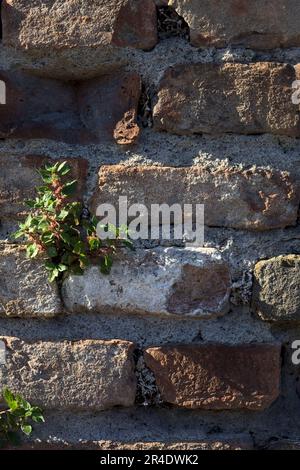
(17, 418)
(56, 231)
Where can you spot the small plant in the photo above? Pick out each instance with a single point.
(18, 417)
(56, 231)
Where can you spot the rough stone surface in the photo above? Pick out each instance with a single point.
(257, 24)
(217, 377)
(83, 375)
(108, 106)
(180, 282)
(19, 178)
(253, 199)
(90, 111)
(276, 291)
(208, 444)
(215, 99)
(24, 289)
(75, 25)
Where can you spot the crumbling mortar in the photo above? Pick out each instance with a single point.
(147, 390)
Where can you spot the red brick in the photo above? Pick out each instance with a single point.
(217, 376)
(253, 199)
(216, 99)
(258, 24)
(56, 24)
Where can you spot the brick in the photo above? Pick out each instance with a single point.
(253, 199)
(217, 376)
(82, 375)
(70, 24)
(216, 99)
(19, 178)
(178, 282)
(24, 289)
(257, 24)
(276, 290)
(91, 111)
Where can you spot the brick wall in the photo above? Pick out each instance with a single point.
(178, 102)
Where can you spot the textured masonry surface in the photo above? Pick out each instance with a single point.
(171, 281)
(257, 24)
(84, 375)
(217, 377)
(141, 107)
(240, 98)
(253, 199)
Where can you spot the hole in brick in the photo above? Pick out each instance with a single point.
(147, 391)
(170, 24)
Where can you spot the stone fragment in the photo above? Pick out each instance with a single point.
(276, 290)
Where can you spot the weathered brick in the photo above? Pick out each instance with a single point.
(19, 178)
(82, 375)
(24, 289)
(171, 281)
(55, 25)
(241, 98)
(276, 290)
(95, 110)
(217, 376)
(258, 24)
(253, 199)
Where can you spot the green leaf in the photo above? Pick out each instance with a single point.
(23, 403)
(27, 429)
(63, 215)
(66, 237)
(32, 251)
(30, 203)
(63, 169)
(18, 234)
(69, 188)
(78, 248)
(10, 399)
(62, 268)
(49, 265)
(52, 251)
(94, 243)
(106, 264)
(53, 275)
(37, 415)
